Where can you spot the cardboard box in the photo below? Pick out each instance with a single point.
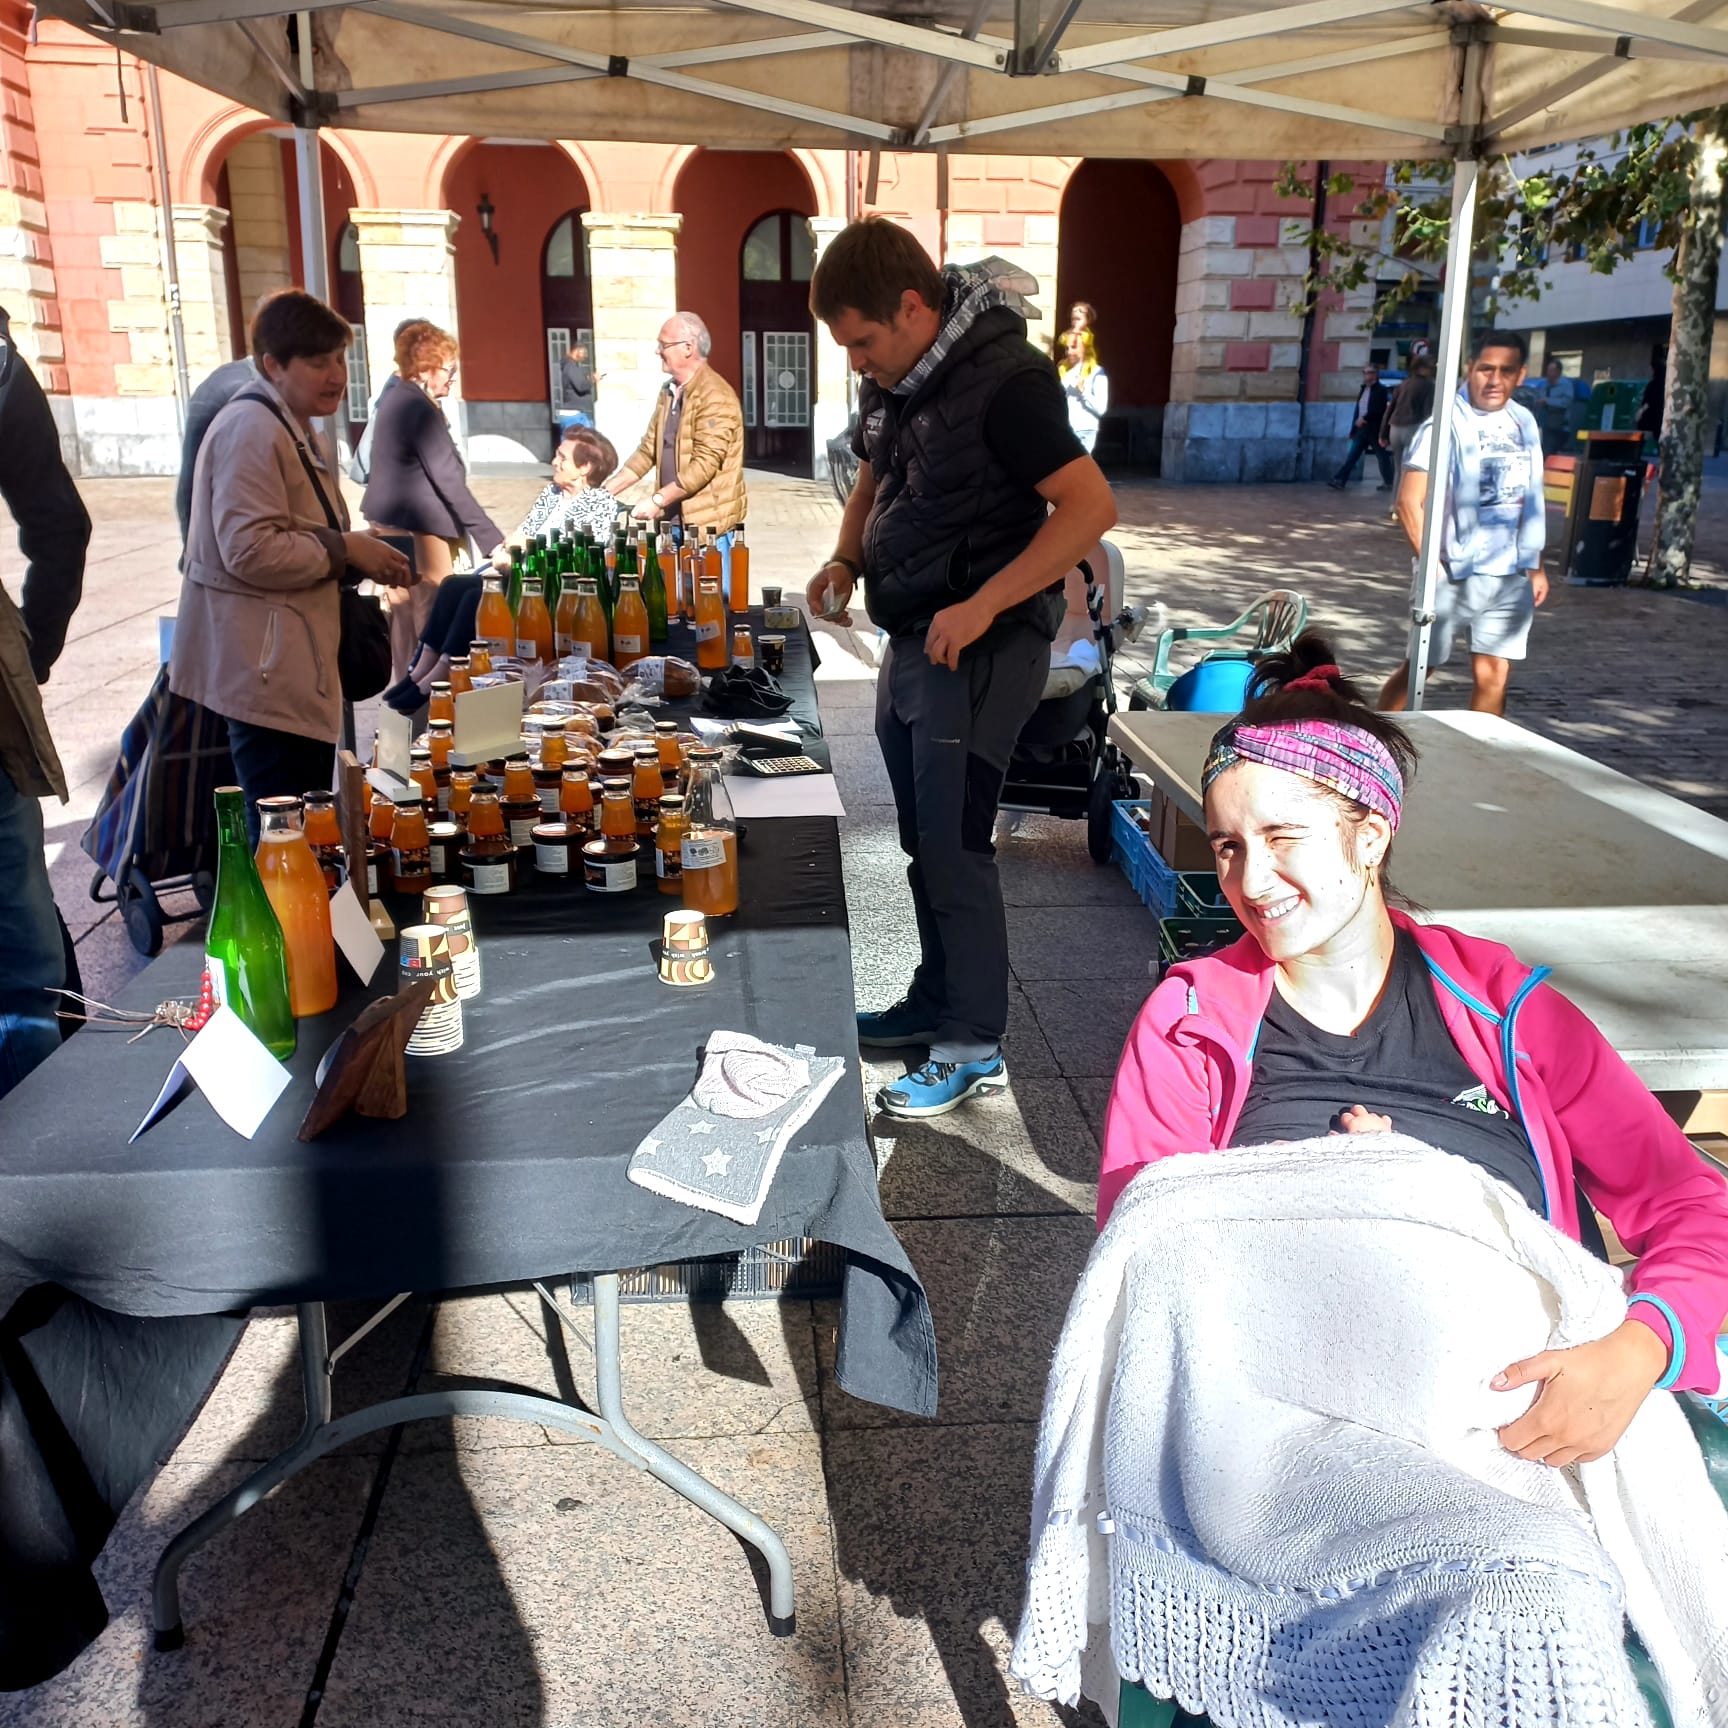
(1180, 841)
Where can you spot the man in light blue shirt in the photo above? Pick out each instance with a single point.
(1491, 577)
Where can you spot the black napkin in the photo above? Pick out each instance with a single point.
(740, 694)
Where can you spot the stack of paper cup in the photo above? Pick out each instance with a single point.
(448, 907)
(684, 949)
(425, 953)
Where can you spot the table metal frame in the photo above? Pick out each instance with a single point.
(323, 1433)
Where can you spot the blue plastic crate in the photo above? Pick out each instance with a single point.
(1151, 878)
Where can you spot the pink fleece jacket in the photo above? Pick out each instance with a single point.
(1185, 1070)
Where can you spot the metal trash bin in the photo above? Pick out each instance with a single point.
(1602, 524)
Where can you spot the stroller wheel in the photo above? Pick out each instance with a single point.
(142, 915)
(1110, 784)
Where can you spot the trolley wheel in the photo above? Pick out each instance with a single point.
(204, 889)
(141, 913)
(1109, 785)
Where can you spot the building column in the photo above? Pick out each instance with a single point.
(408, 270)
(633, 270)
(832, 407)
(27, 287)
(204, 309)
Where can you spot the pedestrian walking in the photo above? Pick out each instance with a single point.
(1365, 434)
(1085, 387)
(578, 382)
(1494, 524)
(1412, 403)
(973, 500)
(418, 487)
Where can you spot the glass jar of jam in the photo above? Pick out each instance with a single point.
(324, 836)
(743, 647)
(556, 847)
(521, 802)
(547, 782)
(609, 866)
(554, 749)
(669, 845)
(666, 742)
(411, 846)
(648, 786)
(489, 859)
(576, 799)
(461, 678)
(617, 764)
(479, 659)
(444, 841)
(461, 792)
(420, 772)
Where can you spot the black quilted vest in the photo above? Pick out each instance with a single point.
(947, 515)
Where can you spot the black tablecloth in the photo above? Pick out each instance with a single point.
(510, 1165)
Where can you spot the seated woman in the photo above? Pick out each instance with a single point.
(1335, 1013)
(574, 499)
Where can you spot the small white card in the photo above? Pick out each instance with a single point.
(355, 937)
(395, 736)
(231, 1067)
(488, 722)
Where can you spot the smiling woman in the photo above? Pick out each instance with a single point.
(1335, 1014)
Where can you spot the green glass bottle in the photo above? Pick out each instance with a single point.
(623, 564)
(244, 951)
(554, 577)
(518, 569)
(597, 570)
(653, 589)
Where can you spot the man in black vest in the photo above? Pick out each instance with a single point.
(974, 499)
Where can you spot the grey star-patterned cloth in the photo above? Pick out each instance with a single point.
(720, 1147)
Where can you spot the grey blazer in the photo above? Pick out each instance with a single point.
(417, 480)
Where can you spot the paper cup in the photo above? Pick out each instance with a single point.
(684, 949)
(425, 953)
(448, 907)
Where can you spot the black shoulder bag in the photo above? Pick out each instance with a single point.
(363, 656)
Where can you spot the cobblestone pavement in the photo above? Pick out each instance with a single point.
(491, 1579)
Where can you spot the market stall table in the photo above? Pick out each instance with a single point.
(1620, 889)
(509, 1167)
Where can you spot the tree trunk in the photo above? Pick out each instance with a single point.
(1688, 408)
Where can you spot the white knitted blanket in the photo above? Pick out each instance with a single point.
(1268, 1465)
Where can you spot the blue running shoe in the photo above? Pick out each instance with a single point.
(939, 1087)
(890, 1028)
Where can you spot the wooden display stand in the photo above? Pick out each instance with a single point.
(367, 1072)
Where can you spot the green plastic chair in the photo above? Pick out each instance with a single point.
(1269, 626)
(1137, 1708)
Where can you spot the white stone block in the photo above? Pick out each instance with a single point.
(1208, 231)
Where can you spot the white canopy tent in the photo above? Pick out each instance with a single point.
(1339, 79)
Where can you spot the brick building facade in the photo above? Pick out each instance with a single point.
(1192, 266)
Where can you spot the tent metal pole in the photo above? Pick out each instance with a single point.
(170, 253)
(314, 266)
(1454, 320)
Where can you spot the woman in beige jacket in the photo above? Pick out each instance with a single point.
(259, 625)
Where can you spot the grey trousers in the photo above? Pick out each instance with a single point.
(947, 738)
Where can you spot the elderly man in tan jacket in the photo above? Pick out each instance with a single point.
(259, 625)
(694, 442)
(53, 530)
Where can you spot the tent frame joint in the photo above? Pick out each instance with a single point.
(129, 18)
(617, 65)
(314, 109)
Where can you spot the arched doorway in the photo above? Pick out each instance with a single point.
(350, 298)
(566, 298)
(1120, 235)
(777, 334)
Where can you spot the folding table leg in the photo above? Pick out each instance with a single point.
(660, 1464)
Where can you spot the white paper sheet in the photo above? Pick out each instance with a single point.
(488, 722)
(356, 940)
(395, 735)
(232, 1068)
(784, 795)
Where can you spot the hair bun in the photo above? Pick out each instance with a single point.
(1326, 677)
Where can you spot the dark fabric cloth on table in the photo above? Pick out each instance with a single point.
(510, 1166)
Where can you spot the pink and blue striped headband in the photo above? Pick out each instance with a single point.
(1346, 758)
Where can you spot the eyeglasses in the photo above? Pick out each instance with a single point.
(681, 342)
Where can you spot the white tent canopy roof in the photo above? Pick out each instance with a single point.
(1372, 79)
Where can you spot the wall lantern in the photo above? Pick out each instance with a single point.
(486, 212)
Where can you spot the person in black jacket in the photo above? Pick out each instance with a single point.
(1365, 434)
(53, 531)
(208, 400)
(973, 502)
(417, 485)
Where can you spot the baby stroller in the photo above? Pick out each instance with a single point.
(1064, 763)
(154, 832)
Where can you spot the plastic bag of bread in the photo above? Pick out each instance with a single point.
(665, 675)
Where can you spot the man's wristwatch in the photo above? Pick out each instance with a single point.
(657, 501)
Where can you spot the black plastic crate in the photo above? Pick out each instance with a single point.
(799, 1266)
(1187, 938)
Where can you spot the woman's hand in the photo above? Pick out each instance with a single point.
(1359, 1119)
(1589, 1395)
(376, 561)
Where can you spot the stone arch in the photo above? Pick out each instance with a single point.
(588, 168)
(666, 187)
(444, 157)
(825, 182)
(195, 182)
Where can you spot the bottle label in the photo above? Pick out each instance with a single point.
(412, 864)
(563, 644)
(668, 866)
(710, 631)
(527, 648)
(553, 860)
(443, 800)
(436, 854)
(549, 800)
(588, 651)
(372, 878)
(613, 878)
(490, 878)
(522, 828)
(499, 644)
(704, 854)
(627, 644)
(218, 980)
